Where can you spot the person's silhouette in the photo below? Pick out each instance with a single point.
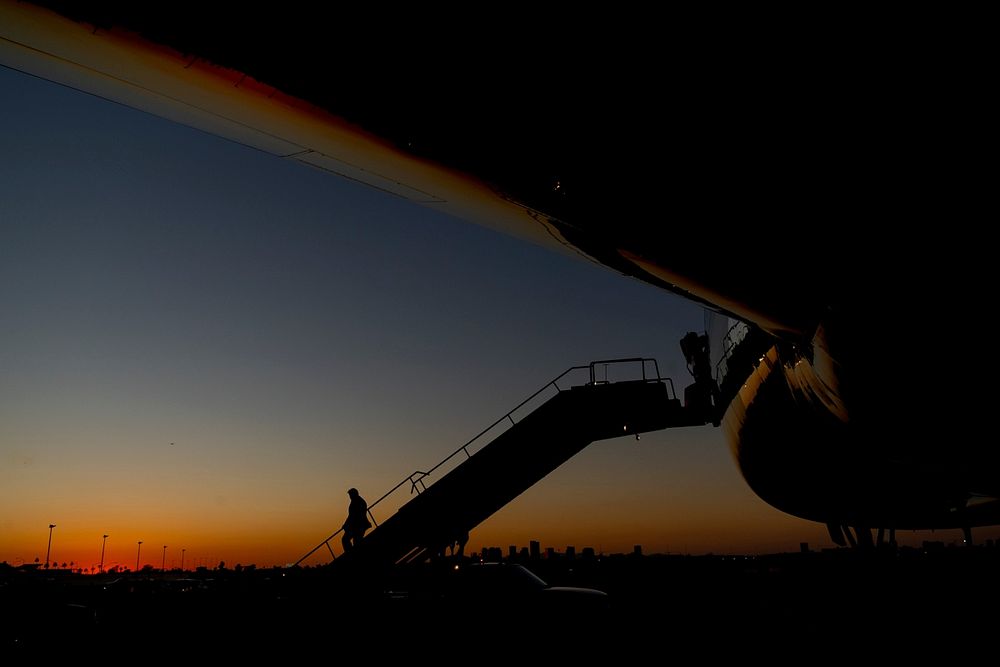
(458, 546)
(357, 521)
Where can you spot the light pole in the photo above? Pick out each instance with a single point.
(137, 551)
(163, 563)
(103, 543)
(182, 559)
(48, 550)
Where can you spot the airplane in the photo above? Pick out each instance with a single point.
(810, 193)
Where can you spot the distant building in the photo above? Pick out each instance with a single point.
(512, 552)
(637, 550)
(570, 552)
(587, 553)
(536, 549)
(550, 553)
(804, 547)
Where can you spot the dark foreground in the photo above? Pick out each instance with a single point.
(836, 605)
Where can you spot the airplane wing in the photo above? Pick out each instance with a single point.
(636, 152)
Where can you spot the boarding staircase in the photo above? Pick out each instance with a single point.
(511, 455)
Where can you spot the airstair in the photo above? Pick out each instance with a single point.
(511, 455)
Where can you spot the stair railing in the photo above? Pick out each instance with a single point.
(417, 477)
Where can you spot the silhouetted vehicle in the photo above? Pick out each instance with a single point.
(137, 587)
(495, 591)
(510, 582)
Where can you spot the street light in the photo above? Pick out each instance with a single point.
(137, 556)
(163, 563)
(48, 550)
(103, 542)
(182, 559)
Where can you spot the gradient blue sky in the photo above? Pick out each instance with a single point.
(294, 334)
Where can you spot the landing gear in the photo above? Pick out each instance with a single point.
(859, 537)
(864, 538)
(836, 534)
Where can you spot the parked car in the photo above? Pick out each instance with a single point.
(513, 582)
(484, 588)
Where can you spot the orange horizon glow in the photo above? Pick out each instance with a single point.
(74, 555)
(568, 508)
(663, 500)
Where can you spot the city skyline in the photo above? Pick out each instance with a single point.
(532, 549)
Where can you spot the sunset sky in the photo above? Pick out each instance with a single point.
(203, 346)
